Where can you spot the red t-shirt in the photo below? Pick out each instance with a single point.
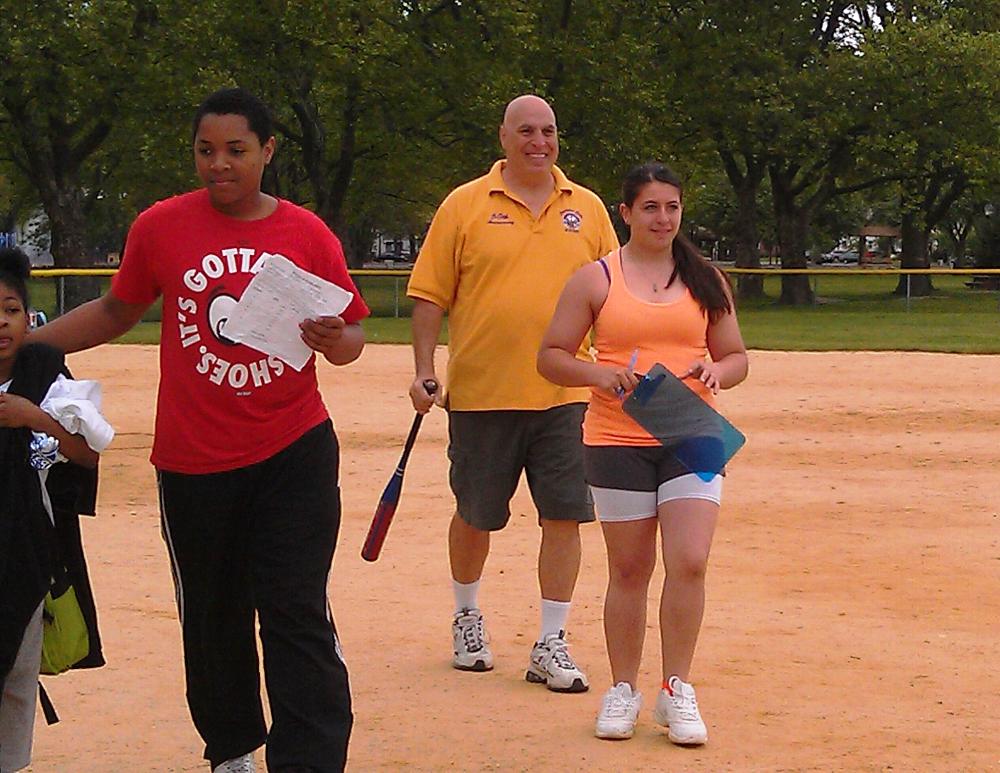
(222, 405)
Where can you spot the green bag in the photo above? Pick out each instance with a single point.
(65, 641)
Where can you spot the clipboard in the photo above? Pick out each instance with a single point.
(701, 438)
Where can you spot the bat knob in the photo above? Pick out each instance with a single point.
(430, 385)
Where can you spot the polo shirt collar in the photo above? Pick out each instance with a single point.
(495, 178)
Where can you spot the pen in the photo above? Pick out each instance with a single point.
(620, 391)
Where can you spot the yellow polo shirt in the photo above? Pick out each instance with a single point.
(498, 272)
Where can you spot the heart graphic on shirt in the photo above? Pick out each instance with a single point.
(219, 309)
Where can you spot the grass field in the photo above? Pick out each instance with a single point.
(862, 313)
(852, 313)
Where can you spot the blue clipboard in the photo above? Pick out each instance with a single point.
(699, 436)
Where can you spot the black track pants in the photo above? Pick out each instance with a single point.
(261, 539)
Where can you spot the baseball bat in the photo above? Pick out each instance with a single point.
(386, 508)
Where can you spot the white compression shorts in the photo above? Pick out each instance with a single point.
(623, 505)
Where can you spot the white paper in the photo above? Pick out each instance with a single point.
(277, 299)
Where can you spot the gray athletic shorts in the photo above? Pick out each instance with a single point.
(489, 450)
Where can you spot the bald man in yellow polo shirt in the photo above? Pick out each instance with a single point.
(496, 257)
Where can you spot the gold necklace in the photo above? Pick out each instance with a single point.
(656, 287)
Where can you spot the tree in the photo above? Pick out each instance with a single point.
(66, 73)
(938, 126)
(772, 89)
(371, 99)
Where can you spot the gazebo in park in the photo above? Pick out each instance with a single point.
(875, 231)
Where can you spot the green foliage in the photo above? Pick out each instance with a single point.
(936, 113)
(67, 72)
(985, 244)
(830, 110)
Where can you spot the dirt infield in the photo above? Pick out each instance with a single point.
(853, 599)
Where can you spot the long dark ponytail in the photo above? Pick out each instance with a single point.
(707, 284)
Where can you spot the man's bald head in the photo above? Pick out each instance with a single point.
(526, 102)
(529, 136)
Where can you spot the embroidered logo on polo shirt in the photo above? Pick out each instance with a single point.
(571, 220)
(500, 218)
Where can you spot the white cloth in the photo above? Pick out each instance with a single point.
(76, 405)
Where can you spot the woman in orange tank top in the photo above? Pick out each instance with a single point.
(654, 300)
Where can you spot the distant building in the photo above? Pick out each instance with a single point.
(389, 250)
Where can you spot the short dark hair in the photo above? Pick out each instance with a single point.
(15, 268)
(236, 101)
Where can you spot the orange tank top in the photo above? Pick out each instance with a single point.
(673, 334)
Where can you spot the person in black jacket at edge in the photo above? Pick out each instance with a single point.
(48, 477)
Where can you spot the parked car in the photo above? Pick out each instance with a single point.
(840, 256)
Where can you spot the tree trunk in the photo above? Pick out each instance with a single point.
(960, 246)
(346, 234)
(332, 209)
(914, 255)
(793, 225)
(357, 239)
(64, 210)
(747, 238)
(745, 180)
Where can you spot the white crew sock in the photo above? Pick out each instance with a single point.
(554, 616)
(466, 595)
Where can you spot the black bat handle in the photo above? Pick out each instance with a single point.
(431, 386)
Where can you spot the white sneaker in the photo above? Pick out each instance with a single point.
(677, 709)
(244, 764)
(552, 666)
(472, 652)
(619, 711)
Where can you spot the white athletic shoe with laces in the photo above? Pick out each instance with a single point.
(244, 764)
(677, 710)
(619, 711)
(471, 644)
(552, 665)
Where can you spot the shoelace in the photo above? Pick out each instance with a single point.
(616, 707)
(473, 634)
(686, 707)
(561, 656)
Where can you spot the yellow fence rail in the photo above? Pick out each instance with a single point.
(401, 272)
(396, 300)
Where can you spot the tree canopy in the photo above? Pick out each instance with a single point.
(788, 119)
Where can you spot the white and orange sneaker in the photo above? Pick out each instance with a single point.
(677, 710)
